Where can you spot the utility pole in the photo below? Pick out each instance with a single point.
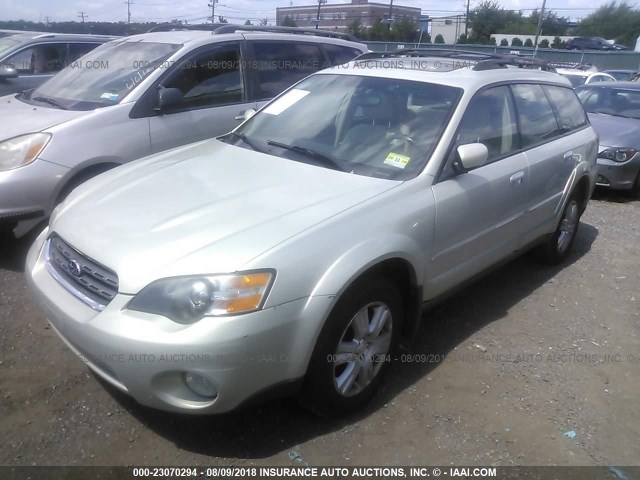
(213, 10)
(46, 20)
(539, 29)
(320, 2)
(81, 15)
(390, 15)
(466, 20)
(129, 2)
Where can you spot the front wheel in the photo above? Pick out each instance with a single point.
(557, 248)
(354, 348)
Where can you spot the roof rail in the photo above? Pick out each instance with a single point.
(576, 65)
(226, 28)
(172, 27)
(484, 61)
(430, 52)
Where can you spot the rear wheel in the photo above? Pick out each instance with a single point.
(557, 248)
(354, 348)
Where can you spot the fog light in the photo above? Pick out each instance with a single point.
(200, 385)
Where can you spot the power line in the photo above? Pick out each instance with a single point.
(129, 2)
(81, 15)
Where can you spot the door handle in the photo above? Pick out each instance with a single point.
(517, 179)
(568, 156)
(240, 117)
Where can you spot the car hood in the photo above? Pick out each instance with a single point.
(204, 208)
(616, 131)
(25, 118)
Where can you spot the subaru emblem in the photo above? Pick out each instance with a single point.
(75, 268)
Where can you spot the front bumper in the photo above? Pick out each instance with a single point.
(147, 355)
(616, 175)
(28, 192)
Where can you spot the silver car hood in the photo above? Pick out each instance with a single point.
(616, 131)
(20, 118)
(208, 208)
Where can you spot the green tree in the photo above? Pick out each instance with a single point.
(516, 42)
(264, 22)
(486, 19)
(528, 43)
(439, 39)
(289, 22)
(221, 19)
(378, 31)
(544, 43)
(355, 29)
(504, 42)
(248, 22)
(463, 39)
(557, 42)
(405, 30)
(620, 21)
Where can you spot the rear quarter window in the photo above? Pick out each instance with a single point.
(339, 54)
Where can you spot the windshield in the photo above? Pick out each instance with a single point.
(104, 76)
(379, 127)
(611, 101)
(6, 43)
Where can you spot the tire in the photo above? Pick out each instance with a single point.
(557, 248)
(347, 365)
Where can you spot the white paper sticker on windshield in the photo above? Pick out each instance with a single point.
(397, 160)
(287, 100)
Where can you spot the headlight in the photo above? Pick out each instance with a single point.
(20, 151)
(188, 299)
(617, 154)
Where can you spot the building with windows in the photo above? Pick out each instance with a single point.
(341, 15)
(449, 27)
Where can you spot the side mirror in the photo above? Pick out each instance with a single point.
(472, 155)
(8, 71)
(168, 97)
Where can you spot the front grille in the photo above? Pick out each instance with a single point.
(83, 277)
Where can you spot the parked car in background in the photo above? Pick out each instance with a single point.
(140, 95)
(614, 111)
(296, 252)
(29, 59)
(589, 43)
(622, 75)
(583, 74)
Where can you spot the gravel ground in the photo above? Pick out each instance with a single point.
(498, 374)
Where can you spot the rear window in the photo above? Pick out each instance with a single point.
(569, 112)
(339, 54)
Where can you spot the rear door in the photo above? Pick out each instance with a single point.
(548, 116)
(213, 84)
(479, 214)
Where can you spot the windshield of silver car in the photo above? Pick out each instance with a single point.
(611, 101)
(104, 76)
(379, 127)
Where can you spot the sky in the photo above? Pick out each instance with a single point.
(196, 11)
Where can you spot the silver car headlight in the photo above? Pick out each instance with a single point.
(23, 150)
(189, 299)
(618, 154)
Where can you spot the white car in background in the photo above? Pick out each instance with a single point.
(584, 76)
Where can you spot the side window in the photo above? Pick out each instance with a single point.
(281, 64)
(77, 50)
(40, 59)
(209, 79)
(569, 111)
(339, 55)
(490, 119)
(537, 120)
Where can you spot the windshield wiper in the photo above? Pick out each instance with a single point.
(329, 161)
(49, 101)
(244, 138)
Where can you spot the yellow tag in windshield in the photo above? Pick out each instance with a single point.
(397, 160)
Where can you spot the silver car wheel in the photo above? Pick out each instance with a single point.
(362, 349)
(568, 226)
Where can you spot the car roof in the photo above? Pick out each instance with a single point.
(620, 71)
(185, 37)
(465, 77)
